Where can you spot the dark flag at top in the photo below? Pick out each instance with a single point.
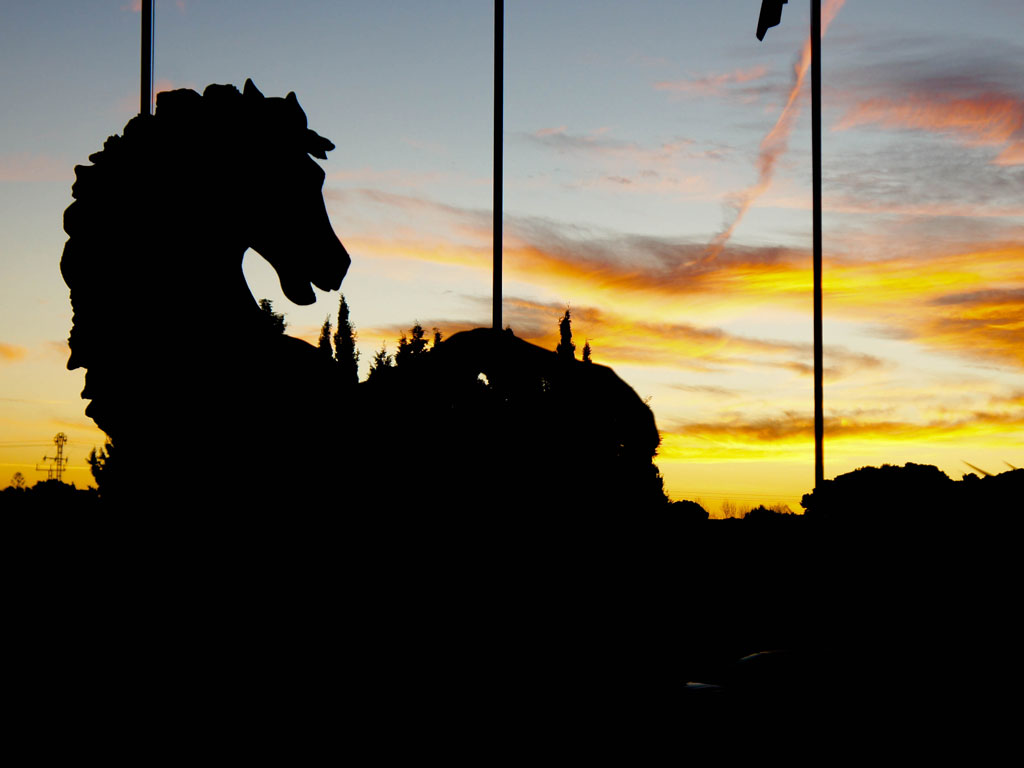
(771, 15)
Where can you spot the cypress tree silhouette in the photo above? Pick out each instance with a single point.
(274, 320)
(566, 348)
(324, 342)
(412, 346)
(345, 346)
(586, 352)
(381, 363)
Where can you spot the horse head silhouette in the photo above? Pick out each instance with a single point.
(173, 341)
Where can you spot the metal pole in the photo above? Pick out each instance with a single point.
(819, 412)
(499, 96)
(146, 84)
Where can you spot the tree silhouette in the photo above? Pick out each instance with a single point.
(586, 352)
(18, 481)
(689, 511)
(274, 320)
(565, 347)
(345, 346)
(437, 338)
(412, 346)
(103, 466)
(900, 494)
(324, 342)
(763, 514)
(381, 362)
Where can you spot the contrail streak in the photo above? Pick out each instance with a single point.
(775, 143)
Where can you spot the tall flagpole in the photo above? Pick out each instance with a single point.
(146, 84)
(771, 14)
(819, 410)
(499, 96)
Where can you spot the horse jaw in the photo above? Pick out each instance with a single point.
(324, 266)
(298, 241)
(297, 290)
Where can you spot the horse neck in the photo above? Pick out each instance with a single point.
(203, 284)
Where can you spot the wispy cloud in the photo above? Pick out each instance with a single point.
(989, 119)
(601, 143)
(668, 167)
(706, 389)
(775, 143)
(706, 85)
(386, 177)
(26, 166)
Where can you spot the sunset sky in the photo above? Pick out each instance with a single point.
(657, 182)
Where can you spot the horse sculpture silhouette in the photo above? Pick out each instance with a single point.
(181, 365)
(186, 373)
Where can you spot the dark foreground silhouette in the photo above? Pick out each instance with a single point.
(889, 614)
(184, 370)
(888, 607)
(473, 548)
(440, 554)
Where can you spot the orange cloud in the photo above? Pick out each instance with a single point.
(1012, 155)
(987, 120)
(964, 301)
(788, 435)
(986, 324)
(11, 353)
(541, 251)
(618, 339)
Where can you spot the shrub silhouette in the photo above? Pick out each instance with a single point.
(689, 511)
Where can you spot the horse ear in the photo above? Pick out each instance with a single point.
(294, 111)
(251, 90)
